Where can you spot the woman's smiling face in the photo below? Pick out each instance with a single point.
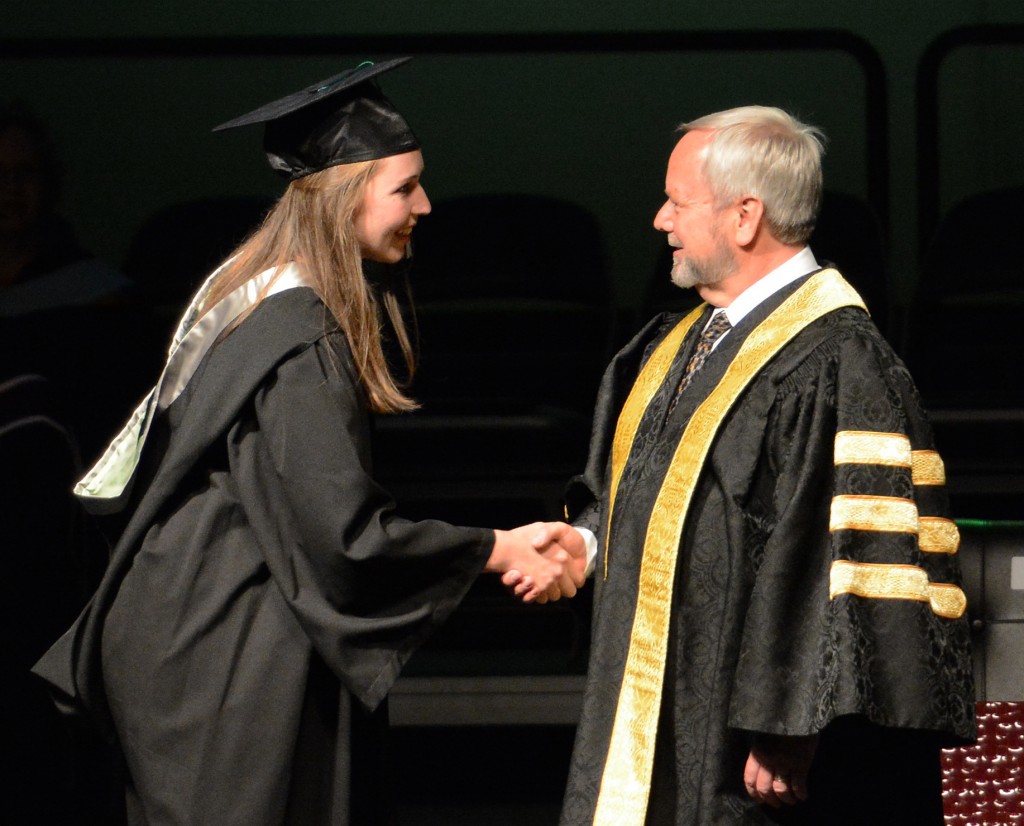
(393, 203)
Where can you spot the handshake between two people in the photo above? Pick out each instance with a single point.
(541, 561)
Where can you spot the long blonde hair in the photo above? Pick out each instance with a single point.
(314, 223)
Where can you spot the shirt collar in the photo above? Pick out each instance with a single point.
(789, 271)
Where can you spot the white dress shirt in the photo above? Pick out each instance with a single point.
(764, 288)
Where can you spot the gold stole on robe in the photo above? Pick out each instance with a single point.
(626, 781)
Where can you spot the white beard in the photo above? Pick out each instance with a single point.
(688, 272)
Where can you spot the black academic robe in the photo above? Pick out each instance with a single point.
(262, 596)
(756, 643)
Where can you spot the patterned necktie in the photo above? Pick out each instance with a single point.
(718, 327)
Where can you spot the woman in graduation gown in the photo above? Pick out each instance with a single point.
(262, 595)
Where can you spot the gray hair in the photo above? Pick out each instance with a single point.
(765, 152)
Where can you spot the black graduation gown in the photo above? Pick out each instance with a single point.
(756, 643)
(262, 596)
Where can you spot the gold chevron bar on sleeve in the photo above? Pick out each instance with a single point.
(938, 535)
(864, 447)
(874, 581)
(928, 468)
(873, 513)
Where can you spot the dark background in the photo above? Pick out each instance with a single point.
(576, 101)
(573, 99)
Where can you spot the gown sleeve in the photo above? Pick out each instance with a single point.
(856, 604)
(366, 586)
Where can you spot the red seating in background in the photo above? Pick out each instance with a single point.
(983, 784)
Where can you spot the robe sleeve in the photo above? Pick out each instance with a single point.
(856, 605)
(366, 586)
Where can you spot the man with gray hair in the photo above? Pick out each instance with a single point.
(779, 630)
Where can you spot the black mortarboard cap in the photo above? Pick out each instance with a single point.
(343, 119)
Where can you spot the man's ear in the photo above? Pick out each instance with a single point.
(749, 213)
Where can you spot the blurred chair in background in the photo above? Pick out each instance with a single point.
(49, 572)
(173, 250)
(963, 346)
(514, 322)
